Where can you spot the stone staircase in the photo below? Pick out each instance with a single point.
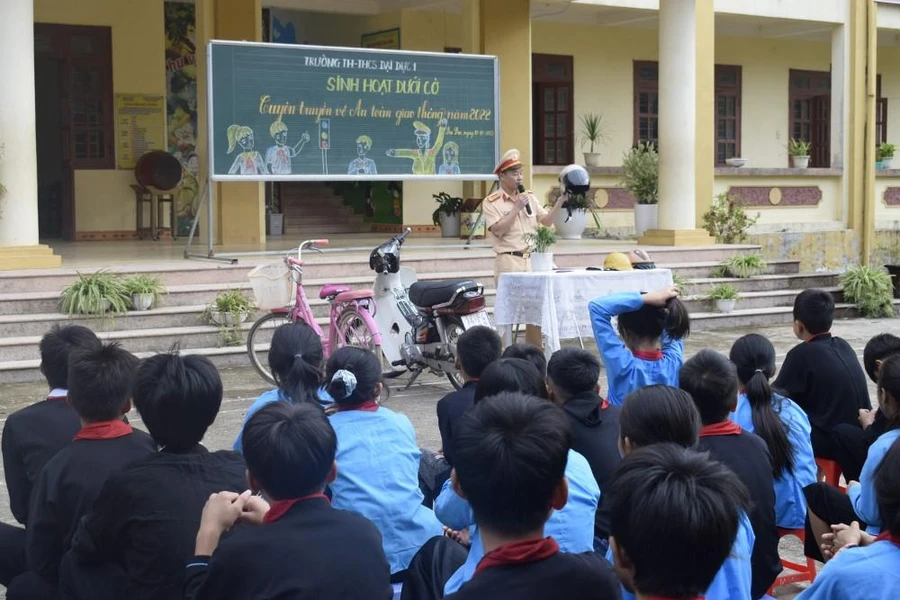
(29, 301)
(312, 208)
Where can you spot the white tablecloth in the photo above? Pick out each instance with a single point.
(557, 300)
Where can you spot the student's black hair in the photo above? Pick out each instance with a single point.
(100, 381)
(649, 322)
(511, 457)
(889, 382)
(877, 349)
(658, 414)
(664, 499)
(573, 371)
(366, 369)
(296, 359)
(887, 489)
(754, 358)
(178, 398)
(815, 309)
(57, 345)
(510, 375)
(476, 348)
(528, 352)
(289, 449)
(711, 380)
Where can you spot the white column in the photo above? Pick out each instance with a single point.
(677, 114)
(18, 167)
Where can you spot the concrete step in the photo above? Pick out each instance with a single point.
(755, 300)
(705, 269)
(322, 221)
(36, 324)
(742, 318)
(797, 281)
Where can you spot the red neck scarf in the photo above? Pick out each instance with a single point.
(648, 354)
(668, 598)
(604, 403)
(518, 553)
(279, 507)
(104, 430)
(367, 406)
(56, 397)
(723, 428)
(886, 536)
(818, 335)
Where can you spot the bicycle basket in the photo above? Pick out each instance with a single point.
(272, 285)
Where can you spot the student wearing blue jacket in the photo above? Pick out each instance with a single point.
(781, 424)
(865, 567)
(648, 348)
(827, 505)
(295, 360)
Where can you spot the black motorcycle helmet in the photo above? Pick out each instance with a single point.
(384, 258)
(575, 180)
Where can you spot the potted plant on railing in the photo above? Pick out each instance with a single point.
(724, 296)
(540, 243)
(94, 294)
(799, 151)
(885, 155)
(640, 178)
(145, 290)
(593, 131)
(447, 214)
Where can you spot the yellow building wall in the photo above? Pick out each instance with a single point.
(827, 211)
(103, 199)
(886, 217)
(323, 29)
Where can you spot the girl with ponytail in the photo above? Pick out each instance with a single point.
(648, 348)
(781, 424)
(296, 361)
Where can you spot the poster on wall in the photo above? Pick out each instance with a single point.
(139, 127)
(388, 39)
(181, 106)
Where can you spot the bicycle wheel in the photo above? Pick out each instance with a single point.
(259, 339)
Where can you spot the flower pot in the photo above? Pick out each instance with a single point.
(887, 162)
(725, 306)
(800, 162)
(541, 261)
(227, 319)
(894, 272)
(450, 225)
(736, 162)
(592, 159)
(646, 216)
(142, 301)
(574, 227)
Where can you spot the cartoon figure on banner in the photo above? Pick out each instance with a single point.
(362, 165)
(248, 162)
(278, 157)
(423, 156)
(450, 166)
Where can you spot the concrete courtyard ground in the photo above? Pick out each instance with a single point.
(242, 386)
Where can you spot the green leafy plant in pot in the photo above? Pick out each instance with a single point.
(799, 151)
(230, 308)
(870, 289)
(145, 290)
(885, 155)
(742, 266)
(640, 178)
(447, 214)
(724, 296)
(593, 132)
(95, 293)
(727, 221)
(540, 243)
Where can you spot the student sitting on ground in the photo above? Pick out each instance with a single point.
(866, 567)
(295, 545)
(649, 346)
(528, 352)
(378, 459)
(296, 361)
(511, 374)
(659, 414)
(34, 434)
(100, 392)
(781, 424)
(140, 531)
(711, 380)
(827, 504)
(675, 516)
(822, 374)
(511, 468)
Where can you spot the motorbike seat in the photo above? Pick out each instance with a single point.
(426, 294)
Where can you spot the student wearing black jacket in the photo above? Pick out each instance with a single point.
(294, 544)
(136, 538)
(711, 380)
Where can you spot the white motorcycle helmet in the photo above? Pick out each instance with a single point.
(575, 180)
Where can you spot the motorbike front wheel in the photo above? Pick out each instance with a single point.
(453, 328)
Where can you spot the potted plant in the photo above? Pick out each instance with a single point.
(145, 290)
(94, 294)
(727, 221)
(640, 178)
(230, 308)
(572, 218)
(447, 214)
(742, 266)
(540, 243)
(593, 131)
(870, 289)
(799, 151)
(724, 296)
(885, 155)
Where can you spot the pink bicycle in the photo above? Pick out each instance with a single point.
(350, 317)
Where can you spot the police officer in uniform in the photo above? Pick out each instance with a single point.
(509, 215)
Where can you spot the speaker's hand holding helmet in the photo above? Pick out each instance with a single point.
(574, 180)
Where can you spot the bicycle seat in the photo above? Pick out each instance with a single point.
(354, 295)
(431, 293)
(333, 289)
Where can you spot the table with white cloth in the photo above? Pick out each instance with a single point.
(557, 301)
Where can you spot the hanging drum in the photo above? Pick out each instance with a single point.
(158, 170)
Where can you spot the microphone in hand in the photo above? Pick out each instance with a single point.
(521, 190)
